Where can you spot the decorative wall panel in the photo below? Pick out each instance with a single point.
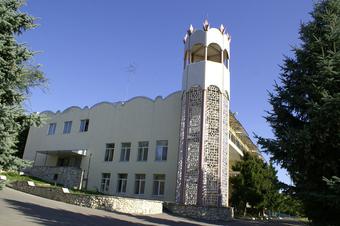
(188, 170)
(212, 130)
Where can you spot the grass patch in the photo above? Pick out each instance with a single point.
(14, 176)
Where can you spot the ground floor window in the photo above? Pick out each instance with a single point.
(140, 184)
(105, 182)
(158, 184)
(122, 183)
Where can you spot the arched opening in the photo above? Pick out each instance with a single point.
(197, 53)
(226, 58)
(214, 53)
(186, 58)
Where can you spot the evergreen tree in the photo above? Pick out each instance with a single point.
(17, 77)
(305, 115)
(256, 185)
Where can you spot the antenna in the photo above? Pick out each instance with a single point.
(130, 70)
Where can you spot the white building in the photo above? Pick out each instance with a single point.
(178, 148)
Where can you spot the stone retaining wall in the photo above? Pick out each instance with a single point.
(200, 212)
(69, 177)
(110, 203)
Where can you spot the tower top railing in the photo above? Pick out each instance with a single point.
(207, 44)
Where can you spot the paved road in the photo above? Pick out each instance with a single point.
(21, 209)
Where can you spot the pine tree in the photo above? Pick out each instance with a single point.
(305, 115)
(17, 77)
(257, 185)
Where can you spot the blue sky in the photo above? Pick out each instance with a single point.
(87, 47)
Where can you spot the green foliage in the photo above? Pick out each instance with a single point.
(15, 176)
(256, 184)
(289, 204)
(305, 114)
(17, 77)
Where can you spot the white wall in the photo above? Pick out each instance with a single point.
(206, 73)
(139, 119)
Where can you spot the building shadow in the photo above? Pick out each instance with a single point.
(55, 217)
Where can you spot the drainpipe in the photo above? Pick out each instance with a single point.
(88, 171)
(35, 159)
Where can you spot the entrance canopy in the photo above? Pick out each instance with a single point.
(76, 152)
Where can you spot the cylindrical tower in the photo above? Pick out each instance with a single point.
(202, 176)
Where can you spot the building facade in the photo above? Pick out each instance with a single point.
(179, 148)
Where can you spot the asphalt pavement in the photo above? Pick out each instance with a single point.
(21, 209)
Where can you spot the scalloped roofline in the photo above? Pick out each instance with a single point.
(114, 104)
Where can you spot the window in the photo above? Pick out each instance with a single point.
(105, 182)
(140, 184)
(51, 128)
(143, 148)
(84, 125)
(197, 53)
(110, 148)
(158, 184)
(214, 53)
(161, 150)
(122, 183)
(125, 152)
(67, 127)
(226, 58)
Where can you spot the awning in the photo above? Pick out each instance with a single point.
(75, 152)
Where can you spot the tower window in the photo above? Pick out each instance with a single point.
(186, 58)
(214, 53)
(226, 59)
(197, 53)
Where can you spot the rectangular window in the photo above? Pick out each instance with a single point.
(67, 127)
(84, 125)
(139, 184)
(125, 152)
(158, 184)
(51, 128)
(110, 148)
(161, 150)
(122, 182)
(105, 182)
(143, 148)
